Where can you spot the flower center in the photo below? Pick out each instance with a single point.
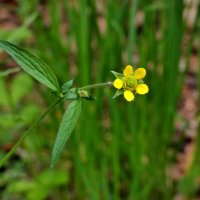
(129, 83)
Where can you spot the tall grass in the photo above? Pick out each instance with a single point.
(119, 150)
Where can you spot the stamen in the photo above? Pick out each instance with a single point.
(130, 83)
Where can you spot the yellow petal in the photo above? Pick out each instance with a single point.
(140, 73)
(128, 70)
(118, 83)
(142, 89)
(129, 96)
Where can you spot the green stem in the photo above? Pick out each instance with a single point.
(88, 87)
(9, 71)
(132, 30)
(35, 123)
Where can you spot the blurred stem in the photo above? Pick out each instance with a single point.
(88, 87)
(23, 137)
(132, 29)
(9, 71)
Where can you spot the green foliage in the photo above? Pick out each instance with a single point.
(29, 113)
(68, 92)
(32, 65)
(119, 150)
(19, 33)
(4, 98)
(17, 90)
(42, 72)
(71, 94)
(66, 86)
(117, 75)
(118, 93)
(41, 187)
(68, 123)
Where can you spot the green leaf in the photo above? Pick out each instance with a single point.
(68, 123)
(117, 75)
(71, 94)
(66, 86)
(118, 93)
(32, 65)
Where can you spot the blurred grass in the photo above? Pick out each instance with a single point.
(119, 150)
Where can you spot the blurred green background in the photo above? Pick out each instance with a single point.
(144, 150)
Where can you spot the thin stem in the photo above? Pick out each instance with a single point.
(88, 87)
(9, 71)
(35, 123)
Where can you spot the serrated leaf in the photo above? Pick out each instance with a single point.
(117, 75)
(32, 65)
(118, 93)
(68, 123)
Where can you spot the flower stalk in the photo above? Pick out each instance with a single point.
(88, 87)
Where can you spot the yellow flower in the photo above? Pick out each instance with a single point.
(130, 82)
